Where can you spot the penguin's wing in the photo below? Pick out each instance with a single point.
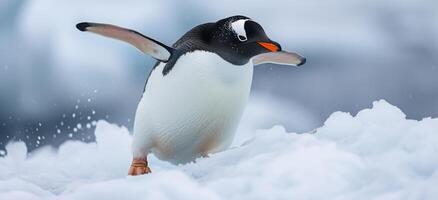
(279, 57)
(145, 44)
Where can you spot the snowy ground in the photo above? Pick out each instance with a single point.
(377, 154)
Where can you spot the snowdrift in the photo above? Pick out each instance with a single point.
(377, 154)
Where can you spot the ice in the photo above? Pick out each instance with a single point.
(376, 154)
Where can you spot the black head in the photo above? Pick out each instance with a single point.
(236, 39)
(239, 38)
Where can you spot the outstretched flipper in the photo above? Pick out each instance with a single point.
(145, 44)
(279, 57)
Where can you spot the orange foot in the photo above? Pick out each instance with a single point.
(139, 166)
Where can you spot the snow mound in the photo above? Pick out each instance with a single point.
(377, 154)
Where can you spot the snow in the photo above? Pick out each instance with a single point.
(376, 154)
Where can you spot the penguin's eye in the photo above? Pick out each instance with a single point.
(242, 38)
(238, 27)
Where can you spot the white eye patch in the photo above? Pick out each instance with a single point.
(239, 28)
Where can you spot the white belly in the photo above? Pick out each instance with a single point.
(194, 109)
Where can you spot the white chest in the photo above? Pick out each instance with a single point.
(196, 107)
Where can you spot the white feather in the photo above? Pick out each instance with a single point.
(239, 28)
(193, 110)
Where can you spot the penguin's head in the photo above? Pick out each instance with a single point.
(240, 39)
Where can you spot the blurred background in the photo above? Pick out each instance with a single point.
(56, 82)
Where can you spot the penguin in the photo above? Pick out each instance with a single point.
(195, 94)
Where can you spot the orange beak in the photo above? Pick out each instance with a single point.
(269, 46)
